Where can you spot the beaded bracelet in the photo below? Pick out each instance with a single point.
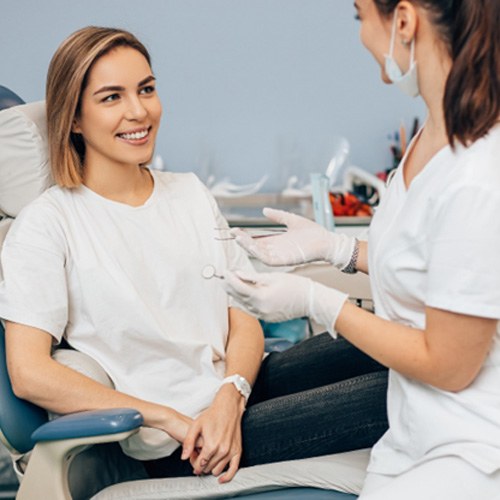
(351, 267)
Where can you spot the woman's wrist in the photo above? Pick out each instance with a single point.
(229, 395)
(351, 267)
(340, 249)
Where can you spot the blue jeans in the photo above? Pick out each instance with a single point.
(319, 397)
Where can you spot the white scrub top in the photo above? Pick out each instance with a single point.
(124, 285)
(437, 244)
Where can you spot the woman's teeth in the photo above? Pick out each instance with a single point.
(134, 135)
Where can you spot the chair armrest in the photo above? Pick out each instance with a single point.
(59, 440)
(89, 423)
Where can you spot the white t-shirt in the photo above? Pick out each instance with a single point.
(124, 285)
(437, 244)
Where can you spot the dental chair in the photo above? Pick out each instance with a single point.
(42, 449)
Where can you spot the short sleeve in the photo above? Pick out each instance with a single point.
(464, 252)
(34, 290)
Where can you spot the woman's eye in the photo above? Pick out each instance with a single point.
(149, 89)
(357, 17)
(111, 98)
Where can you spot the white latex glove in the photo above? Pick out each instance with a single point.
(304, 241)
(278, 297)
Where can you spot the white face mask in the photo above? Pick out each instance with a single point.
(407, 82)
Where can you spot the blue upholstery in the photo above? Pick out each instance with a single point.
(299, 494)
(24, 424)
(277, 345)
(18, 418)
(8, 98)
(89, 423)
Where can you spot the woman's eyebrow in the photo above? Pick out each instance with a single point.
(109, 88)
(119, 88)
(148, 79)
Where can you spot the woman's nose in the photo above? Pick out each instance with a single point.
(135, 109)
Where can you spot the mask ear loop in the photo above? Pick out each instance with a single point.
(393, 42)
(393, 36)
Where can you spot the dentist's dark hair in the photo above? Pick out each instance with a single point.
(470, 31)
(67, 78)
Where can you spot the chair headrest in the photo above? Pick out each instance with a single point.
(8, 98)
(24, 160)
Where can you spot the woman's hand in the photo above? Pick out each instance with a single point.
(175, 424)
(273, 296)
(219, 430)
(278, 297)
(304, 241)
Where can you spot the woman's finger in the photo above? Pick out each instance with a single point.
(279, 216)
(235, 285)
(234, 465)
(190, 441)
(218, 463)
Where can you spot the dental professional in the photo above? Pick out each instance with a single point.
(432, 256)
(111, 259)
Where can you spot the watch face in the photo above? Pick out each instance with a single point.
(240, 383)
(243, 386)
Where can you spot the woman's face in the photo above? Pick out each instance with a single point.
(375, 33)
(120, 110)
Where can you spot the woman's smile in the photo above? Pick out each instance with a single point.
(136, 137)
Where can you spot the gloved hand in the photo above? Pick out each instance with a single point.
(304, 241)
(278, 297)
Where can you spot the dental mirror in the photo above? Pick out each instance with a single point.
(208, 272)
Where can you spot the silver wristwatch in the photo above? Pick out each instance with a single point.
(241, 384)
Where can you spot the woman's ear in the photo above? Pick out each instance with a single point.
(75, 127)
(407, 21)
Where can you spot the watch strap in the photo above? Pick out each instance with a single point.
(240, 383)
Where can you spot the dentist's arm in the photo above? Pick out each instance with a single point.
(38, 378)
(304, 241)
(220, 425)
(448, 353)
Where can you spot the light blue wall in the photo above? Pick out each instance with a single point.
(248, 86)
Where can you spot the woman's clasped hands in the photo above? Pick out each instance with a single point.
(213, 443)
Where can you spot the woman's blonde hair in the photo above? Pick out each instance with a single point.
(66, 80)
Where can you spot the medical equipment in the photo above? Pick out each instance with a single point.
(208, 272)
(254, 235)
(321, 203)
(338, 159)
(226, 189)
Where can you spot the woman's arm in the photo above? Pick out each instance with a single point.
(362, 261)
(447, 354)
(38, 378)
(220, 424)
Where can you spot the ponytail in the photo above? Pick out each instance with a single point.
(472, 94)
(471, 31)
